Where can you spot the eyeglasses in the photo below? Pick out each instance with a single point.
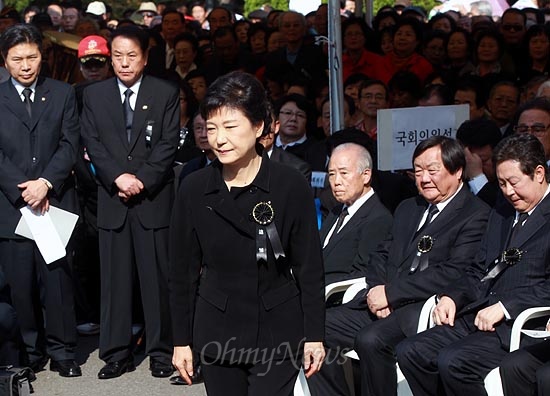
(535, 129)
(510, 28)
(298, 114)
(148, 15)
(377, 97)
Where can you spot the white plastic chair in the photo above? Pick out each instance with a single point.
(350, 288)
(493, 382)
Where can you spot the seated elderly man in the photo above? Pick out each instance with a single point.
(433, 239)
(510, 274)
(354, 228)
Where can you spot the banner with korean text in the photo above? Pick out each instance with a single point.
(400, 130)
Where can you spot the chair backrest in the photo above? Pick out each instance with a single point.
(426, 321)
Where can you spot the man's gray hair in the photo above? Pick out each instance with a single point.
(364, 160)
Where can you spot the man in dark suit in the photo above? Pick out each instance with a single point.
(277, 154)
(527, 370)
(354, 228)
(38, 145)
(475, 314)
(433, 238)
(307, 61)
(130, 126)
(162, 59)
(9, 351)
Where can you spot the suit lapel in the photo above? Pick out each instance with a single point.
(328, 223)
(113, 103)
(218, 199)
(13, 103)
(143, 105)
(41, 101)
(506, 219)
(352, 224)
(535, 221)
(442, 221)
(409, 229)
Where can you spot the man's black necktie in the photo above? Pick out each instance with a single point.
(339, 222)
(128, 113)
(517, 228)
(432, 211)
(27, 92)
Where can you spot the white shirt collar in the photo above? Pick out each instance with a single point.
(441, 205)
(532, 210)
(20, 87)
(279, 143)
(354, 207)
(135, 89)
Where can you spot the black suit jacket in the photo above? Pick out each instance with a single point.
(524, 285)
(457, 233)
(310, 62)
(156, 62)
(42, 146)
(281, 156)
(346, 254)
(311, 151)
(220, 293)
(104, 134)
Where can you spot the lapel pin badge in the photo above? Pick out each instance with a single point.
(43, 99)
(145, 107)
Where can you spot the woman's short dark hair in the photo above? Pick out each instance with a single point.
(415, 24)
(383, 14)
(452, 153)
(439, 16)
(255, 28)
(132, 32)
(467, 36)
(191, 39)
(19, 34)
(239, 91)
(492, 33)
(303, 104)
(523, 148)
(533, 31)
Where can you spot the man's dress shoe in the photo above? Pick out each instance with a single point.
(160, 369)
(66, 368)
(196, 378)
(116, 369)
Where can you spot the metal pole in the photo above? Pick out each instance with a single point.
(336, 86)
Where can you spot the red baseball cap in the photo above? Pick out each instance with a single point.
(93, 47)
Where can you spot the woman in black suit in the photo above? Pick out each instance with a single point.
(246, 268)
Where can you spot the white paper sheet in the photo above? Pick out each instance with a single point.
(50, 231)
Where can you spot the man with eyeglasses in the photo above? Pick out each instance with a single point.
(373, 96)
(534, 118)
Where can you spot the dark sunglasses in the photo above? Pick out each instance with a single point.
(510, 28)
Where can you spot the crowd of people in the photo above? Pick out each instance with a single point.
(165, 131)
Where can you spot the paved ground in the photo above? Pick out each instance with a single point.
(137, 383)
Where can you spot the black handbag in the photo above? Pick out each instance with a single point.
(15, 381)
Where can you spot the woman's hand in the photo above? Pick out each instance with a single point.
(182, 359)
(314, 354)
